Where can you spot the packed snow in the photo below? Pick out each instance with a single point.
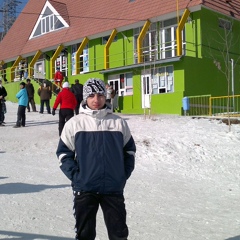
(185, 185)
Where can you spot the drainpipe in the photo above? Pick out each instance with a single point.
(232, 63)
(31, 64)
(106, 48)
(52, 60)
(140, 40)
(79, 52)
(180, 27)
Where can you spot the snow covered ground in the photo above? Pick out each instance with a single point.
(185, 185)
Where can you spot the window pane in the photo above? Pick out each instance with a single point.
(168, 37)
(47, 24)
(122, 84)
(58, 24)
(129, 80)
(43, 25)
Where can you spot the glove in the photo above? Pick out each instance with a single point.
(53, 112)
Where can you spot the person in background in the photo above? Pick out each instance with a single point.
(110, 94)
(3, 72)
(96, 151)
(77, 90)
(58, 78)
(30, 91)
(67, 102)
(3, 94)
(22, 97)
(21, 69)
(45, 94)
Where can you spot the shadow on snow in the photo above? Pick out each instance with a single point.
(31, 236)
(17, 188)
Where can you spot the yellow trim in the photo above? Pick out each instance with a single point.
(52, 60)
(16, 63)
(78, 53)
(179, 29)
(140, 40)
(31, 64)
(106, 48)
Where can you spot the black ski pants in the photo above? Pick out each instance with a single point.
(64, 115)
(85, 210)
(21, 116)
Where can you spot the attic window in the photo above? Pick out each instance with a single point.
(223, 23)
(48, 21)
(105, 39)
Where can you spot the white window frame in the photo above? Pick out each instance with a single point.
(47, 23)
(155, 46)
(163, 80)
(84, 57)
(84, 60)
(125, 87)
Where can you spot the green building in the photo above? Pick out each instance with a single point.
(154, 53)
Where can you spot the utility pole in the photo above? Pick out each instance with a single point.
(9, 14)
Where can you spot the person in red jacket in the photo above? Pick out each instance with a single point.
(58, 78)
(67, 102)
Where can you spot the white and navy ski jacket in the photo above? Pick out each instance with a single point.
(96, 151)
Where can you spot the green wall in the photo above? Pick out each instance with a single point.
(195, 74)
(13, 88)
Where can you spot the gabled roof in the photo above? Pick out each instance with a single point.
(93, 18)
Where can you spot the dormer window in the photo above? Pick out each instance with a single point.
(48, 21)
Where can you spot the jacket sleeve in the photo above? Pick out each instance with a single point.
(19, 94)
(67, 161)
(129, 151)
(57, 101)
(4, 92)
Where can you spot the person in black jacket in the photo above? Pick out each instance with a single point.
(96, 151)
(3, 94)
(30, 92)
(77, 89)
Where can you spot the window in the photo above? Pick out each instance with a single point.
(163, 81)
(48, 21)
(84, 60)
(105, 39)
(150, 41)
(122, 83)
(225, 24)
(159, 42)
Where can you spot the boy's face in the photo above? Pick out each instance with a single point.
(96, 101)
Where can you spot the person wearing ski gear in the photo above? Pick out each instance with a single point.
(3, 94)
(96, 152)
(58, 78)
(77, 90)
(22, 97)
(45, 95)
(67, 102)
(30, 92)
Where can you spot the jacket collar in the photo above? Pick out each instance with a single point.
(95, 113)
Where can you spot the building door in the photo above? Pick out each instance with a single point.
(146, 90)
(61, 63)
(114, 84)
(39, 70)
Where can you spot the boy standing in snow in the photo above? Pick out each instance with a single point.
(97, 153)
